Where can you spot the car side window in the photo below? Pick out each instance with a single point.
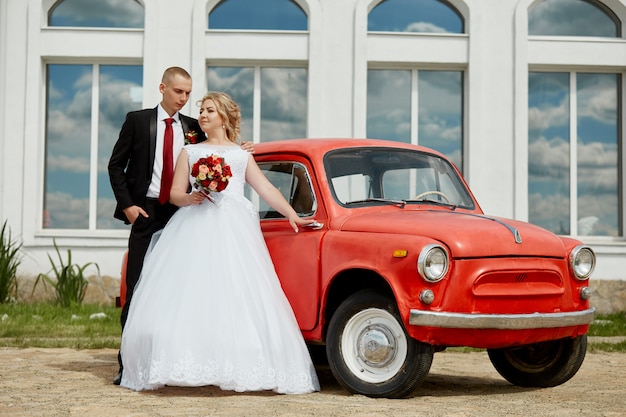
(293, 181)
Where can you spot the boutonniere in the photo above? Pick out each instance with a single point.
(191, 137)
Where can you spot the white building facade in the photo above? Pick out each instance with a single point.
(526, 96)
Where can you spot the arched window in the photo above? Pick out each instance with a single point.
(423, 102)
(97, 13)
(273, 94)
(428, 16)
(572, 18)
(575, 123)
(86, 100)
(257, 15)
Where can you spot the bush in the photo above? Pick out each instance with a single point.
(69, 282)
(9, 261)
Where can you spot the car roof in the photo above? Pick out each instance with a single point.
(319, 147)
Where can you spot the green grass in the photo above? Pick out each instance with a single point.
(47, 325)
(52, 326)
(607, 325)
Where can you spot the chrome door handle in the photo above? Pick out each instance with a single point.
(315, 225)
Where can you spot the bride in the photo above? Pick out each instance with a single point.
(209, 308)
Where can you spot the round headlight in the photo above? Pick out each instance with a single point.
(582, 261)
(432, 263)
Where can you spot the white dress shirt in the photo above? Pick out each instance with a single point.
(179, 142)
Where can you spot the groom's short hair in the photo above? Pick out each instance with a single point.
(169, 74)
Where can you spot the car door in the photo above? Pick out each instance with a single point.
(296, 256)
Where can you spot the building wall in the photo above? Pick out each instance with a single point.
(494, 55)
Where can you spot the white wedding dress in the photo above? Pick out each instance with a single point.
(209, 308)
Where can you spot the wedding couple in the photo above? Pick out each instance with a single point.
(205, 306)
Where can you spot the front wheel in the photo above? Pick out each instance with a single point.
(369, 351)
(545, 364)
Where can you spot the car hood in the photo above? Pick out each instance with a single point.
(467, 235)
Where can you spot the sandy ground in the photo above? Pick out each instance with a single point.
(67, 382)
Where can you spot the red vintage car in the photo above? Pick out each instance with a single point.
(402, 263)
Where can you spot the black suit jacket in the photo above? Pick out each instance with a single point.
(132, 158)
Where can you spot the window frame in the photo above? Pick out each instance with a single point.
(573, 160)
(257, 94)
(419, 52)
(49, 45)
(563, 54)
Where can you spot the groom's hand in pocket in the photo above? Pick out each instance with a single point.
(133, 212)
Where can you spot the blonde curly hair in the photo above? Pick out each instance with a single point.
(228, 110)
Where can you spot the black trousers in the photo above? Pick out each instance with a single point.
(140, 235)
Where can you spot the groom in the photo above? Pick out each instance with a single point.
(136, 170)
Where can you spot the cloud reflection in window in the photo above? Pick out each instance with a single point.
(426, 16)
(97, 13)
(572, 18)
(258, 15)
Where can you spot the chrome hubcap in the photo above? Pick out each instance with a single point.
(376, 346)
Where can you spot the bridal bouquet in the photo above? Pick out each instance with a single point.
(212, 173)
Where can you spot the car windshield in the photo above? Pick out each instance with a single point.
(374, 176)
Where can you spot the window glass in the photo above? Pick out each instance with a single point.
(598, 173)
(258, 15)
(548, 151)
(438, 114)
(282, 98)
(572, 18)
(68, 126)
(283, 103)
(238, 82)
(97, 13)
(389, 105)
(352, 187)
(281, 177)
(368, 175)
(70, 120)
(426, 16)
(424, 183)
(595, 157)
(293, 181)
(120, 91)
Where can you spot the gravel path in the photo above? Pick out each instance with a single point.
(68, 382)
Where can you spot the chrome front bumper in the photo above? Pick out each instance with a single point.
(501, 321)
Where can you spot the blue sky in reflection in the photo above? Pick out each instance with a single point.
(67, 146)
(68, 133)
(549, 146)
(570, 18)
(97, 13)
(440, 96)
(258, 15)
(426, 16)
(284, 105)
(283, 99)
(549, 17)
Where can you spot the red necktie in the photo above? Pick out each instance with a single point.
(168, 162)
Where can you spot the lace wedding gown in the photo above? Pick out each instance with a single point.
(209, 308)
